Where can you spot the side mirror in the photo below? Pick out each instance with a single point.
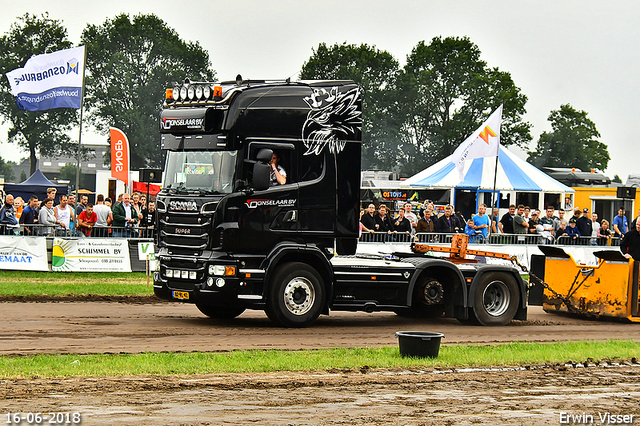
(262, 170)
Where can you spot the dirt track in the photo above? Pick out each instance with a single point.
(365, 396)
(102, 327)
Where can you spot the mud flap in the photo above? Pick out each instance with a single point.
(536, 291)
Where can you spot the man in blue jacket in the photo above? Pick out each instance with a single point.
(8, 218)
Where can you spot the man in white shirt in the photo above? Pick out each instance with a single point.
(105, 217)
(411, 216)
(65, 217)
(278, 174)
(595, 226)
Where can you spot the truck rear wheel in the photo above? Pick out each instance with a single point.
(296, 295)
(220, 312)
(427, 300)
(495, 301)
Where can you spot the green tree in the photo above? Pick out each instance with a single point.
(6, 169)
(616, 179)
(130, 63)
(572, 142)
(445, 92)
(68, 172)
(43, 132)
(23, 175)
(374, 70)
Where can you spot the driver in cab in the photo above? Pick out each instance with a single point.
(278, 174)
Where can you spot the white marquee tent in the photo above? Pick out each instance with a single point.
(514, 174)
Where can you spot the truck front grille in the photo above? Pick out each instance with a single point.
(184, 232)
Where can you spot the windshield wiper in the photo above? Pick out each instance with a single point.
(200, 191)
(180, 189)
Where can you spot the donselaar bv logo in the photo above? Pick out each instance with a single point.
(73, 66)
(252, 204)
(59, 255)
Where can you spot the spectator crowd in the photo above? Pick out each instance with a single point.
(520, 224)
(128, 217)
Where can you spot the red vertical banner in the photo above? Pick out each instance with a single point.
(119, 155)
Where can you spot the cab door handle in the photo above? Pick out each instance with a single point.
(291, 216)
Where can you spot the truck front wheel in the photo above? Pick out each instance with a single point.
(495, 300)
(219, 312)
(296, 295)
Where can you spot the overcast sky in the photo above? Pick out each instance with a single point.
(585, 53)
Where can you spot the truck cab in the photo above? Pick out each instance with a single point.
(218, 207)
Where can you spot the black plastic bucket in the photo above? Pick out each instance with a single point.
(422, 344)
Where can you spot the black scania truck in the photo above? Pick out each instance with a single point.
(230, 238)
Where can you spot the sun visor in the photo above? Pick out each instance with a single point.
(191, 121)
(192, 142)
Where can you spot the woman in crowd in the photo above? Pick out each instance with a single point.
(18, 207)
(604, 233)
(47, 217)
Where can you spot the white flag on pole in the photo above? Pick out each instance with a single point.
(51, 80)
(484, 142)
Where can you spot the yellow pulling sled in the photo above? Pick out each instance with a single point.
(609, 289)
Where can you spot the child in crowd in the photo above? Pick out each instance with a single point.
(474, 236)
(572, 231)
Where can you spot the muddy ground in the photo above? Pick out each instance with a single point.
(518, 396)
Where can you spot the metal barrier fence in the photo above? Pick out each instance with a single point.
(38, 230)
(492, 239)
(589, 241)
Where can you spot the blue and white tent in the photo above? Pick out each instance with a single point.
(514, 174)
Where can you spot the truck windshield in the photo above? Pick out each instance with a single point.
(210, 172)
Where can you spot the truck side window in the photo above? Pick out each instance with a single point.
(286, 158)
(310, 167)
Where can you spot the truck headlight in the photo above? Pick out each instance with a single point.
(220, 282)
(221, 270)
(216, 270)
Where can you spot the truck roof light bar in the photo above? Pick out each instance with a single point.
(196, 93)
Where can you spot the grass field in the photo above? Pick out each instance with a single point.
(16, 283)
(454, 356)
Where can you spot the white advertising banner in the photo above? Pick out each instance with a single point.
(23, 253)
(90, 255)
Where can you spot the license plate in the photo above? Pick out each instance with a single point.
(180, 294)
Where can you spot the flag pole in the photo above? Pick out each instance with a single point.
(84, 65)
(495, 170)
(495, 177)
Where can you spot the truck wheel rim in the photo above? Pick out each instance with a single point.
(299, 296)
(496, 298)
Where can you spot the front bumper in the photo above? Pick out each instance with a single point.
(190, 280)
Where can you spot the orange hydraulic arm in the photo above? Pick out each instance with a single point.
(458, 250)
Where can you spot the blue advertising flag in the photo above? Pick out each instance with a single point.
(51, 80)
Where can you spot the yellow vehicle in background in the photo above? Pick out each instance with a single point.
(608, 290)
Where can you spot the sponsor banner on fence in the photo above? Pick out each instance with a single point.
(90, 255)
(146, 251)
(24, 254)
